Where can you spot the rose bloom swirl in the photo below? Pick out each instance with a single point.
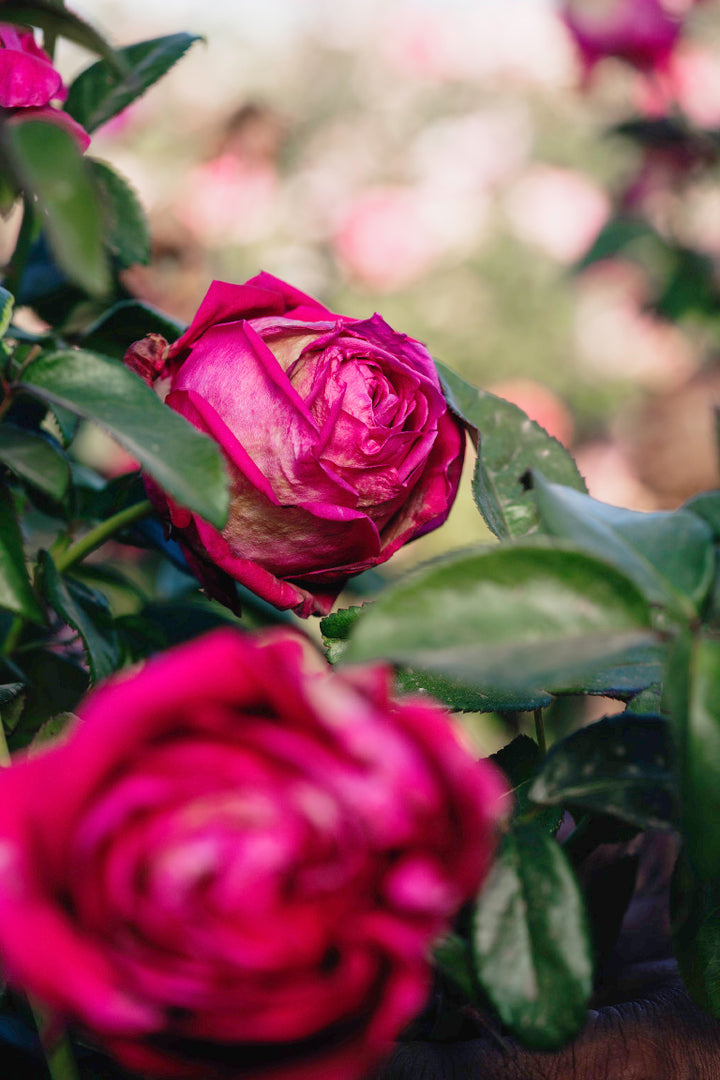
(339, 442)
(236, 862)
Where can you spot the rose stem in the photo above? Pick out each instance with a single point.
(58, 1053)
(101, 533)
(540, 731)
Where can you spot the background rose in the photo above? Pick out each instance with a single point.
(339, 441)
(29, 82)
(643, 32)
(236, 863)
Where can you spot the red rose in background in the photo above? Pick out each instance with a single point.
(237, 861)
(29, 83)
(340, 444)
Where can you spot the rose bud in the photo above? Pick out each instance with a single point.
(235, 864)
(338, 439)
(29, 83)
(641, 32)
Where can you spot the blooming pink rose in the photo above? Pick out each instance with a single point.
(29, 83)
(236, 862)
(642, 32)
(338, 439)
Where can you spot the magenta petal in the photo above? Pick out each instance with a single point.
(26, 81)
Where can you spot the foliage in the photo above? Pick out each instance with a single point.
(576, 598)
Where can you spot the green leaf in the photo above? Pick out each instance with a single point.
(126, 232)
(35, 459)
(668, 555)
(637, 669)
(530, 940)
(621, 765)
(55, 684)
(126, 322)
(461, 697)
(54, 18)
(336, 629)
(86, 611)
(647, 701)
(523, 615)
(7, 302)
(12, 702)
(452, 957)
(692, 697)
(99, 93)
(518, 759)
(707, 506)
(695, 915)
(51, 166)
(16, 593)
(53, 728)
(625, 236)
(510, 444)
(183, 461)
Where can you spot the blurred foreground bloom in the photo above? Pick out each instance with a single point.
(29, 84)
(337, 435)
(235, 864)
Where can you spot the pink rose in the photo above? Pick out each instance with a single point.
(338, 439)
(642, 32)
(236, 862)
(29, 83)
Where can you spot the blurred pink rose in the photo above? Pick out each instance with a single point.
(641, 32)
(338, 439)
(29, 83)
(386, 238)
(558, 210)
(237, 861)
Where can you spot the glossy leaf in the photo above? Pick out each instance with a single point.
(184, 462)
(51, 167)
(530, 940)
(510, 444)
(462, 697)
(7, 301)
(668, 555)
(126, 322)
(692, 697)
(16, 593)
(99, 92)
(637, 669)
(621, 765)
(516, 616)
(86, 611)
(126, 233)
(35, 459)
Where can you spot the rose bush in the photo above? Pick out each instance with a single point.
(338, 439)
(29, 83)
(237, 861)
(642, 32)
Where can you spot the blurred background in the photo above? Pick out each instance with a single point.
(539, 206)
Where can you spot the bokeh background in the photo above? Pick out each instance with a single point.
(450, 165)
